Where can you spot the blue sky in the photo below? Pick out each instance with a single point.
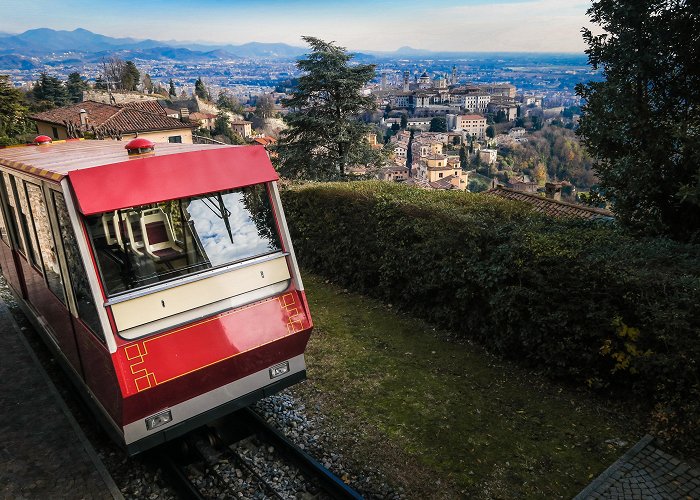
(464, 25)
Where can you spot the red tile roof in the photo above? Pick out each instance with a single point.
(125, 119)
(149, 106)
(551, 207)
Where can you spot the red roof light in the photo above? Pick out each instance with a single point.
(42, 139)
(139, 146)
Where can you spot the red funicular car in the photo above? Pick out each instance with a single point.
(165, 279)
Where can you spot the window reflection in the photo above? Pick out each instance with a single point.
(44, 238)
(148, 244)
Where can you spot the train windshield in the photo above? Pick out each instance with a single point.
(145, 245)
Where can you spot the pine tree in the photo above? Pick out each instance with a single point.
(200, 90)
(324, 136)
(171, 91)
(130, 76)
(75, 85)
(49, 92)
(13, 112)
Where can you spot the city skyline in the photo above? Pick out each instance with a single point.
(380, 25)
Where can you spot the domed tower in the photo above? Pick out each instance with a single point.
(439, 82)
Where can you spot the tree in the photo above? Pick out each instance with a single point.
(200, 90)
(490, 132)
(13, 112)
(228, 102)
(324, 136)
(48, 92)
(100, 83)
(129, 77)
(463, 159)
(404, 121)
(147, 83)
(222, 124)
(75, 85)
(264, 106)
(171, 90)
(641, 122)
(438, 124)
(536, 122)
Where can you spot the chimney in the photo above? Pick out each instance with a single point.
(553, 190)
(184, 114)
(83, 119)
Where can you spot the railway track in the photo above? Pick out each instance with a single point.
(242, 456)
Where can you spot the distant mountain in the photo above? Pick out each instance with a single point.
(42, 41)
(45, 40)
(410, 51)
(16, 62)
(156, 54)
(251, 49)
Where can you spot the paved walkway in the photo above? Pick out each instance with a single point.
(645, 472)
(43, 452)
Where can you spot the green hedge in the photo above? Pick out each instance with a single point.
(577, 299)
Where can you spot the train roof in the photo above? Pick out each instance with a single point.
(104, 177)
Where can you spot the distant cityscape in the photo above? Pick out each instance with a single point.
(251, 69)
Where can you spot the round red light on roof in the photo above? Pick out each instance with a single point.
(42, 139)
(139, 145)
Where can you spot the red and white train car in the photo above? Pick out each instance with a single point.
(165, 278)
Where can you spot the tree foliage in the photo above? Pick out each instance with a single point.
(228, 102)
(120, 74)
(75, 85)
(643, 121)
(48, 92)
(264, 106)
(438, 124)
(324, 136)
(559, 150)
(201, 91)
(13, 112)
(171, 89)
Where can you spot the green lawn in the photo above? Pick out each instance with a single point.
(443, 419)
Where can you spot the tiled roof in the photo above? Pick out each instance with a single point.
(472, 117)
(551, 207)
(444, 183)
(124, 119)
(197, 115)
(149, 106)
(265, 141)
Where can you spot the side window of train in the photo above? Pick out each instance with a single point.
(3, 228)
(78, 277)
(13, 214)
(26, 222)
(44, 237)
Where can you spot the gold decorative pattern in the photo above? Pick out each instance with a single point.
(145, 379)
(295, 323)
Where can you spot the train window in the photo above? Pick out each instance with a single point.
(3, 229)
(44, 236)
(141, 246)
(78, 277)
(12, 210)
(25, 220)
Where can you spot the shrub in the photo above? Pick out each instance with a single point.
(580, 300)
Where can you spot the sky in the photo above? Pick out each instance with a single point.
(376, 25)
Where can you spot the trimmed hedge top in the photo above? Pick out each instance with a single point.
(578, 299)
